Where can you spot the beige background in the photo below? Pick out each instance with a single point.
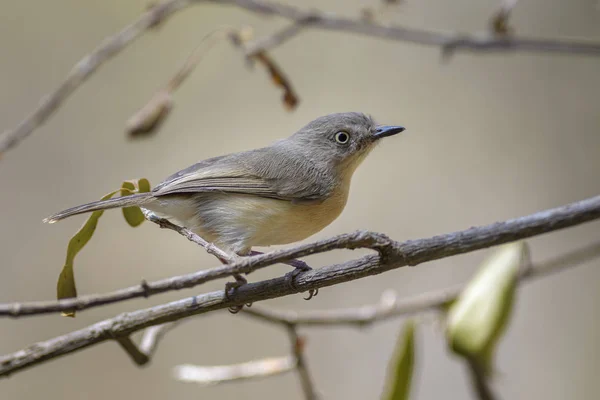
(489, 137)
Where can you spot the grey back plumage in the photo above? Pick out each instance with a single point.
(299, 168)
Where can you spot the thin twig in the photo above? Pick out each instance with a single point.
(480, 381)
(127, 323)
(210, 248)
(142, 354)
(85, 68)
(298, 344)
(391, 255)
(278, 38)
(211, 375)
(151, 116)
(326, 21)
(153, 335)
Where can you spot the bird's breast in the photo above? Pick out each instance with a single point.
(240, 222)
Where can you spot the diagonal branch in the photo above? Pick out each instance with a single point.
(391, 255)
(320, 20)
(110, 47)
(210, 248)
(127, 323)
(389, 306)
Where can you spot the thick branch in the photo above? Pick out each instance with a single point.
(437, 247)
(328, 21)
(389, 306)
(391, 255)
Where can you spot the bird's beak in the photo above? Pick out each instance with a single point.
(385, 131)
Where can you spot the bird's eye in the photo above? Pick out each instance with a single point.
(342, 137)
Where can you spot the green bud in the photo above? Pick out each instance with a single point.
(480, 314)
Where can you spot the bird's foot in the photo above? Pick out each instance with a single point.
(299, 267)
(230, 287)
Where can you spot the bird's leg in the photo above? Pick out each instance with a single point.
(299, 267)
(231, 286)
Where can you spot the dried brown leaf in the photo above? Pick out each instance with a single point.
(150, 117)
(289, 98)
(499, 23)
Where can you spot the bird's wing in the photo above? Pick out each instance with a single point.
(233, 174)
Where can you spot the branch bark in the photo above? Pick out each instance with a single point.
(448, 42)
(393, 255)
(389, 306)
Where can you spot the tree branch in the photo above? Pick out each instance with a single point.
(84, 69)
(189, 235)
(391, 255)
(127, 323)
(389, 306)
(326, 21)
(142, 354)
(298, 343)
(236, 372)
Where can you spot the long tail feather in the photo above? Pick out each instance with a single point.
(126, 201)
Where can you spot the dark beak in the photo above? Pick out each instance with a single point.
(385, 131)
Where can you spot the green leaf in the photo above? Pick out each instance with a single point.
(402, 365)
(133, 215)
(65, 287)
(480, 314)
(143, 185)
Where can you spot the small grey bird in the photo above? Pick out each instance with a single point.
(277, 194)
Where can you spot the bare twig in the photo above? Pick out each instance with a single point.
(152, 336)
(280, 37)
(148, 118)
(326, 21)
(211, 375)
(298, 343)
(125, 324)
(84, 69)
(391, 255)
(191, 236)
(480, 381)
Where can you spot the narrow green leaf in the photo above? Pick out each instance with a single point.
(480, 315)
(133, 215)
(65, 287)
(401, 367)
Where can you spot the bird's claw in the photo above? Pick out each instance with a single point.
(299, 267)
(231, 286)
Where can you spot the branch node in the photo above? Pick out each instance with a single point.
(146, 288)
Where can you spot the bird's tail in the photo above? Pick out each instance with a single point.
(126, 201)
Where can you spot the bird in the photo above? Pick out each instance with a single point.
(278, 194)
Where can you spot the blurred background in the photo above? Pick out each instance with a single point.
(489, 137)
